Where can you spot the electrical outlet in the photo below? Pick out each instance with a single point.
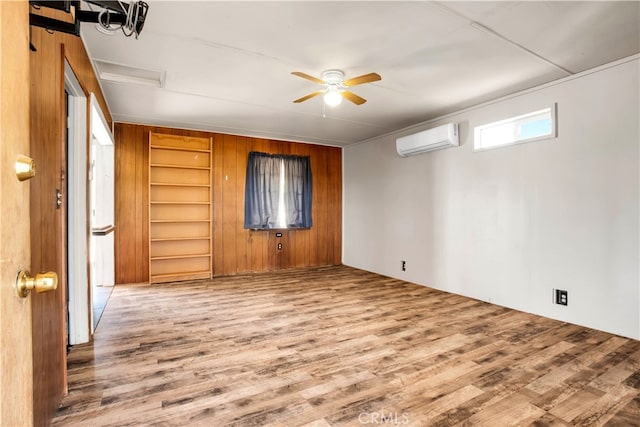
(561, 297)
(404, 265)
(279, 246)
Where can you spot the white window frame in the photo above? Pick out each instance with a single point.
(516, 120)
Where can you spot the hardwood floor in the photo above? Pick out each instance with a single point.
(336, 347)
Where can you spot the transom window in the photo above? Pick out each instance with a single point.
(533, 126)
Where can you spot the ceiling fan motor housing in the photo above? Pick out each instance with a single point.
(333, 77)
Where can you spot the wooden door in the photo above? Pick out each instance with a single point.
(16, 369)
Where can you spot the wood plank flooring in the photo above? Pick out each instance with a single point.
(338, 346)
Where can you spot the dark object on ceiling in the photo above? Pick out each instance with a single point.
(113, 16)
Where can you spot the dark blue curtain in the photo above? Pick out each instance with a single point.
(262, 191)
(297, 191)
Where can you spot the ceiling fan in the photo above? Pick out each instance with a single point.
(335, 86)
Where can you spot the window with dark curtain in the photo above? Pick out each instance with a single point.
(278, 191)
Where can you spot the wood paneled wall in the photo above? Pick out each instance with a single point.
(235, 250)
(48, 224)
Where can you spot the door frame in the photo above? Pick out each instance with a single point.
(80, 321)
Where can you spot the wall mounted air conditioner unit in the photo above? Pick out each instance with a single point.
(432, 139)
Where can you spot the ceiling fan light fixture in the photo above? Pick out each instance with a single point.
(335, 87)
(332, 97)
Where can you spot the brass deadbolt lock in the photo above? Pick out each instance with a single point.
(25, 168)
(43, 282)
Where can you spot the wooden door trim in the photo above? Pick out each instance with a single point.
(62, 239)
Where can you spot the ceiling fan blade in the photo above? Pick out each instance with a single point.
(311, 95)
(308, 77)
(366, 78)
(353, 97)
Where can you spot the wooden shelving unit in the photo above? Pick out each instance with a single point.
(180, 245)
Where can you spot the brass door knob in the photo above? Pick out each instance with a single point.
(43, 282)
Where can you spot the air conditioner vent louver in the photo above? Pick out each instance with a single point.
(120, 73)
(432, 139)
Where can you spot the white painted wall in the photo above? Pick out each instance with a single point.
(509, 225)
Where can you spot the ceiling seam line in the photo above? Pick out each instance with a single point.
(264, 107)
(478, 26)
(252, 133)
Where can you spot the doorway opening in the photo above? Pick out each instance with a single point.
(90, 211)
(78, 297)
(102, 211)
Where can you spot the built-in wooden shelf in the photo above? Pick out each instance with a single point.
(153, 202)
(178, 184)
(170, 277)
(171, 221)
(155, 258)
(173, 239)
(180, 244)
(181, 148)
(159, 165)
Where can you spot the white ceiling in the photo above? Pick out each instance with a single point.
(228, 64)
